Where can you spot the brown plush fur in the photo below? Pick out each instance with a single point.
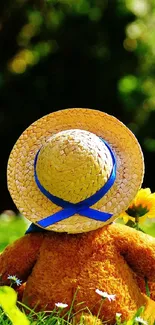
(58, 267)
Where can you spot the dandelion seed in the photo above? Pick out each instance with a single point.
(61, 305)
(105, 295)
(141, 320)
(14, 279)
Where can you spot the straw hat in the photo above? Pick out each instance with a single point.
(73, 164)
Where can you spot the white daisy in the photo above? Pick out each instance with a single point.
(105, 295)
(61, 305)
(14, 279)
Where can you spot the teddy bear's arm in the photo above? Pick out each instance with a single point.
(19, 258)
(137, 248)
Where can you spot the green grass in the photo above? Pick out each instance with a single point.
(55, 317)
(40, 318)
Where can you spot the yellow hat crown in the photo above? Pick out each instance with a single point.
(73, 165)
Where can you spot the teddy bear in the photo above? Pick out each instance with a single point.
(71, 173)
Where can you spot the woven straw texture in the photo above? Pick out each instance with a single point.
(73, 164)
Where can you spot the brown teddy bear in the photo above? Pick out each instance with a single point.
(71, 173)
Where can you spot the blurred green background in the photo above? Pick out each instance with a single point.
(11, 228)
(56, 54)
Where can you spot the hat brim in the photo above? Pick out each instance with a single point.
(20, 172)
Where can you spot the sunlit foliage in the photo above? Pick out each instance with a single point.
(38, 35)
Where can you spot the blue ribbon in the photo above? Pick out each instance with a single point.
(82, 208)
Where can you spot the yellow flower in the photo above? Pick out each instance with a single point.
(142, 207)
